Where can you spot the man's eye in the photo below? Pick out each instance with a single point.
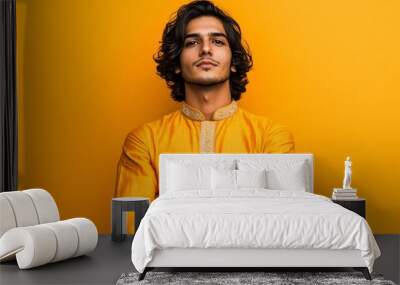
(190, 43)
(219, 42)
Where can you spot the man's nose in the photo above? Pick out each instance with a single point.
(205, 48)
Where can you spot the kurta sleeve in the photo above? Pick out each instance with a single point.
(135, 173)
(278, 139)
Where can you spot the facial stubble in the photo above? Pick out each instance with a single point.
(207, 82)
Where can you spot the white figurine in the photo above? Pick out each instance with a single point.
(347, 174)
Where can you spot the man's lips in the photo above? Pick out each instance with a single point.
(205, 66)
(206, 63)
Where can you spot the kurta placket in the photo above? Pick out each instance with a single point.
(208, 128)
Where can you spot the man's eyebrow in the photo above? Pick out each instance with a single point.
(197, 35)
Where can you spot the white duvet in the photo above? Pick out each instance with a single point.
(251, 218)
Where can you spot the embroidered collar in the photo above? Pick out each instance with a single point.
(222, 113)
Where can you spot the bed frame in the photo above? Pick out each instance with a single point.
(248, 259)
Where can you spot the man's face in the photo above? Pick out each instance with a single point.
(206, 56)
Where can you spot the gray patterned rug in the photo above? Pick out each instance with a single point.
(270, 278)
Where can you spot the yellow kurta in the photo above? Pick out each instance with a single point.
(231, 130)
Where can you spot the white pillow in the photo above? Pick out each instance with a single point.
(182, 178)
(251, 178)
(223, 179)
(282, 174)
(236, 179)
(287, 179)
(198, 161)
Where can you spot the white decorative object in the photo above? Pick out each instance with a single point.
(347, 174)
(31, 231)
(344, 194)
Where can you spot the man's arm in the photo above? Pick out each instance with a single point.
(278, 139)
(135, 174)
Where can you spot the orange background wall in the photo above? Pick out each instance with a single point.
(330, 70)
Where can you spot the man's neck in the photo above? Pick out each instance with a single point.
(208, 99)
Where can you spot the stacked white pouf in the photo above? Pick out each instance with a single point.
(31, 230)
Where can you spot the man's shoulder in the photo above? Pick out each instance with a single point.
(264, 122)
(255, 118)
(277, 137)
(153, 126)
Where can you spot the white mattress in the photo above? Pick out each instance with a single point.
(252, 218)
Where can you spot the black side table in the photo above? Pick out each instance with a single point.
(118, 216)
(356, 205)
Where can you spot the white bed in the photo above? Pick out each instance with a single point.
(268, 218)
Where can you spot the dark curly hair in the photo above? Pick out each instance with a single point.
(167, 57)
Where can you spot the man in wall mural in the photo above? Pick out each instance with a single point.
(204, 63)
